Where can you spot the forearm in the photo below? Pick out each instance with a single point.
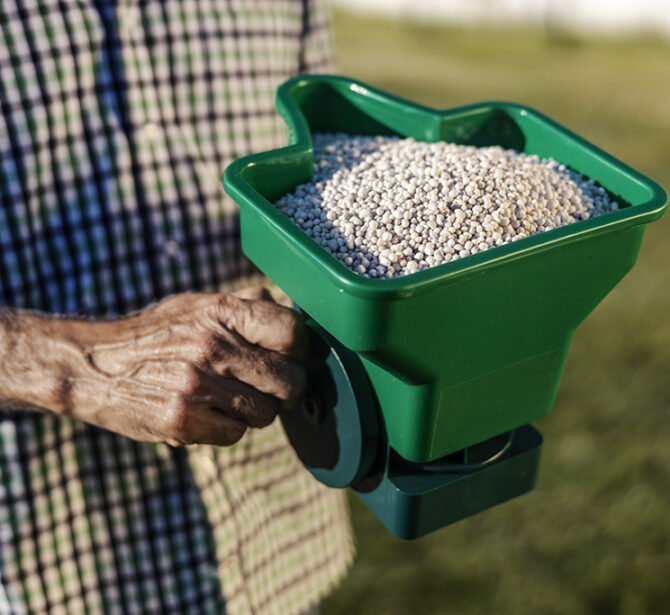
(81, 369)
(194, 368)
(39, 360)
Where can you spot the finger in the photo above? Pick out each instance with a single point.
(254, 293)
(266, 324)
(210, 426)
(266, 371)
(237, 399)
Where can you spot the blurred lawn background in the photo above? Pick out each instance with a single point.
(594, 536)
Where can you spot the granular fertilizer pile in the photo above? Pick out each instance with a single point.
(387, 207)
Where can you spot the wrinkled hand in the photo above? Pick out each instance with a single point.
(196, 368)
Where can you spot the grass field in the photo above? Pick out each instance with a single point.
(594, 536)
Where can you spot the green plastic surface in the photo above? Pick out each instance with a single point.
(412, 502)
(461, 352)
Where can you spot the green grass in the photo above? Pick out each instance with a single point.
(594, 536)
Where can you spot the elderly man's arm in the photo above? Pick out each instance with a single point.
(195, 368)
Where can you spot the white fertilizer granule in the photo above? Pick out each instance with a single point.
(387, 207)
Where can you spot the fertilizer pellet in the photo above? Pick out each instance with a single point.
(387, 207)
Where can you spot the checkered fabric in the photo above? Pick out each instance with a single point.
(117, 118)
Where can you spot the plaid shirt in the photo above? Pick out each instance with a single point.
(117, 119)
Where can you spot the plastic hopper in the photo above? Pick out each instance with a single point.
(459, 354)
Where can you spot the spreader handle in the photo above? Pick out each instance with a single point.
(335, 432)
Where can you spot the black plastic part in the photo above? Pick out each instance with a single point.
(336, 431)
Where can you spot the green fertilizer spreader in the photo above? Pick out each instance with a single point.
(431, 380)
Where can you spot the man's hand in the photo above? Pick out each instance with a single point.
(195, 368)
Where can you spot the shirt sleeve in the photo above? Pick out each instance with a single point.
(317, 50)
